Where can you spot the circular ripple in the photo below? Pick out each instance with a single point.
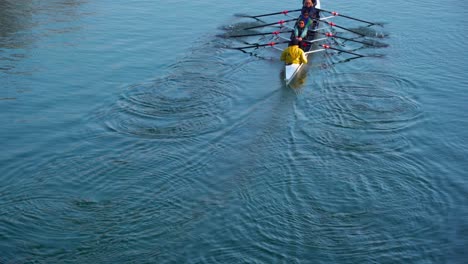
(192, 100)
(363, 204)
(187, 106)
(362, 112)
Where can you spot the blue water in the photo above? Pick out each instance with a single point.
(131, 134)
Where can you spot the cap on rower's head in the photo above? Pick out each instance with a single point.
(293, 42)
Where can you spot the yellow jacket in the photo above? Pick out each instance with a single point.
(293, 55)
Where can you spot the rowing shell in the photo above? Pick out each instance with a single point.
(291, 70)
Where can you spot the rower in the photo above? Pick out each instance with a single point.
(313, 12)
(293, 54)
(315, 3)
(300, 33)
(311, 7)
(308, 5)
(307, 20)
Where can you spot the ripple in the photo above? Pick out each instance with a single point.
(192, 100)
(372, 32)
(171, 108)
(362, 112)
(380, 206)
(80, 202)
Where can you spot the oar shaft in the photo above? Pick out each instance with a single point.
(347, 29)
(352, 18)
(271, 44)
(276, 13)
(345, 51)
(330, 35)
(315, 40)
(259, 34)
(314, 51)
(281, 22)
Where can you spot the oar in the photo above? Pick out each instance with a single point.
(285, 12)
(271, 44)
(260, 34)
(345, 51)
(331, 35)
(352, 18)
(315, 40)
(314, 51)
(347, 29)
(281, 22)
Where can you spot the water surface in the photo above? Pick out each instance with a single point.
(129, 133)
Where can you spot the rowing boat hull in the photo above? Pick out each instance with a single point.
(290, 71)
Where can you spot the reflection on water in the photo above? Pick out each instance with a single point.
(24, 23)
(10, 19)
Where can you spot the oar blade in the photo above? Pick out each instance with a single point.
(242, 15)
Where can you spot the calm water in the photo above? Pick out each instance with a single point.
(130, 135)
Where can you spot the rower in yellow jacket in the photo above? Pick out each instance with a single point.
(293, 54)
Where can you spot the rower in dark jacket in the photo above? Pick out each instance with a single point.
(315, 3)
(309, 7)
(306, 17)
